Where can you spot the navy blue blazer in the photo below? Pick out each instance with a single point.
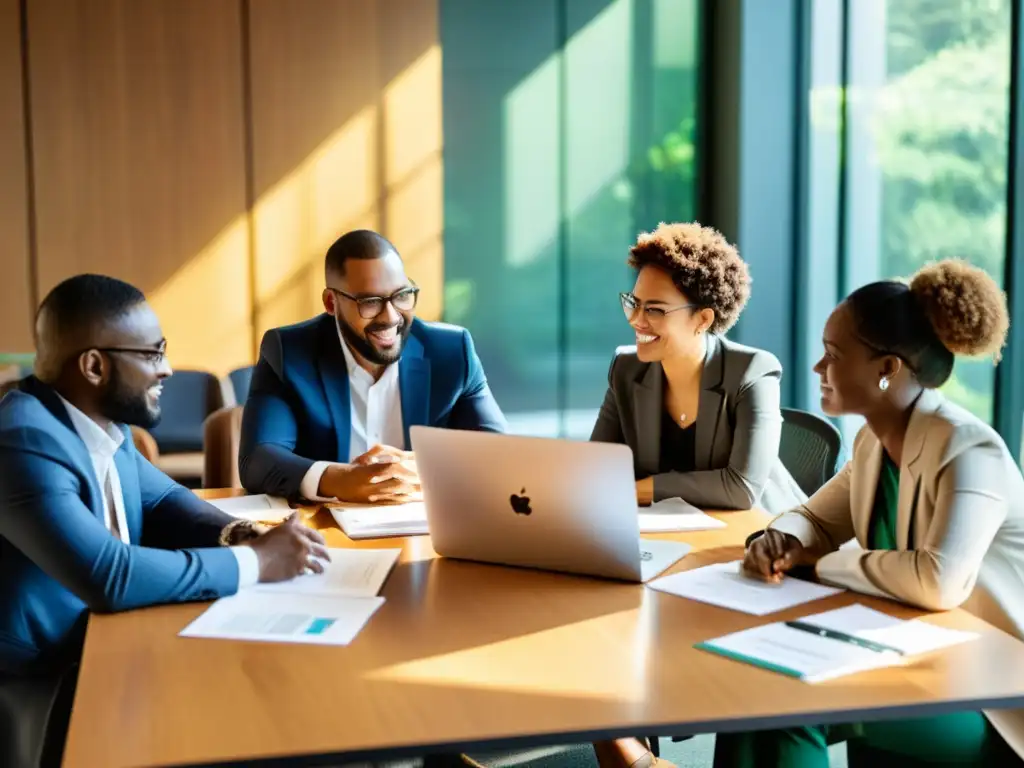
(299, 412)
(57, 558)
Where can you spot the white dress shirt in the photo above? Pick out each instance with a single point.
(376, 417)
(102, 445)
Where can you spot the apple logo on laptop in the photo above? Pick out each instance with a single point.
(520, 503)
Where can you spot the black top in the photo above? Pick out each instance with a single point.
(677, 445)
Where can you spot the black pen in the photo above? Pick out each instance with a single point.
(833, 634)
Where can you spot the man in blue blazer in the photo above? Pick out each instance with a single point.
(332, 399)
(86, 523)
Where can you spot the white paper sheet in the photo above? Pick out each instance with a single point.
(382, 520)
(672, 515)
(725, 585)
(350, 573)
(259, 508)
(284, 618)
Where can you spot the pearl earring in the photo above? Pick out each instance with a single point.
(883, 383)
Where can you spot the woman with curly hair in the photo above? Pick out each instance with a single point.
(700, 412)
(932, 495)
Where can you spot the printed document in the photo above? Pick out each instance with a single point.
(725, 585)
(326, 608)
(349, 573)
(827, 645)
(381, 520)
(673, 515)
(259, 508)
(285, 618)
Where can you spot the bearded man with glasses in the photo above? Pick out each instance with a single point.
(332, 399)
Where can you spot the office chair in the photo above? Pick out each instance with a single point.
(809, 448)
(188, 398)
(221, 434)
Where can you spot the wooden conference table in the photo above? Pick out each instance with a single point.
(470, 656)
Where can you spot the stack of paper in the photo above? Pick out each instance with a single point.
(727, 586)
(260, 508)
(834, 643)
(328, 608)
(382, 520)
(672, 515)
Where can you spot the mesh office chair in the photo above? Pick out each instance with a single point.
(809, 448)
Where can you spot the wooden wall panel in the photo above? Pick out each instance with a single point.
(331, 80)
(15, 297)
(137, 111)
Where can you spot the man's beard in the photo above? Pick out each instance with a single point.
(120, 404)
(366, 349)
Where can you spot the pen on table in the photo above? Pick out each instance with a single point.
(834, 634)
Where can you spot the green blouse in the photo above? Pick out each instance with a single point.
(882, 530)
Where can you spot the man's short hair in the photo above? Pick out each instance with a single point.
(357, 244)
(84, 301)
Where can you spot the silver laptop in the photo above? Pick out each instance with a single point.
(559, 505)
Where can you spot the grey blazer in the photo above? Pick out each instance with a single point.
(738, 428)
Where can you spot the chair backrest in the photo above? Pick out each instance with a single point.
(221, 435)
(240, 379)
(145, 444)
(188, 398)
(809, 448)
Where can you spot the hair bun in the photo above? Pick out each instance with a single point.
(964, 306)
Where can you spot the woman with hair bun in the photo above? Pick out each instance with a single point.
(932, 496)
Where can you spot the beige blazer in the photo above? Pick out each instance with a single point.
(737, 429)
(961, 504)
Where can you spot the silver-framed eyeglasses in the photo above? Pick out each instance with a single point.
(631, 305)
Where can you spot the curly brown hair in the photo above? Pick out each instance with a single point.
(965, 307)
(702, 264)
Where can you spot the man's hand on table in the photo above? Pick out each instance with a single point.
(289, 550)
(382, 475)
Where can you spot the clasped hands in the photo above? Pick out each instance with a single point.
(382, 475)
(773, 553)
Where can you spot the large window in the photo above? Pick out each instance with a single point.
(569, 128)
(927, 147)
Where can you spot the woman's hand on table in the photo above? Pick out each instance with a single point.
(774, 553)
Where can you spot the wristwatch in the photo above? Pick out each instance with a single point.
(238, 532)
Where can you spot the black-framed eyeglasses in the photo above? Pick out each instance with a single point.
(631, 305)
(404, 300)
(154, 355)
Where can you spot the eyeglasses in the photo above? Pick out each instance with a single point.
(153, 355)
(631, 305)
(370, 307)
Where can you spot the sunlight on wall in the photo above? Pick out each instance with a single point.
(531, 163)
(381, 170)
(414, 176)
(598, 69)
(533, 664)
(204, 308)
(296, 220)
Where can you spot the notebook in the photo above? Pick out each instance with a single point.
(835, 643)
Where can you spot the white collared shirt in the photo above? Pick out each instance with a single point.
(376, 417)
(102, 445)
